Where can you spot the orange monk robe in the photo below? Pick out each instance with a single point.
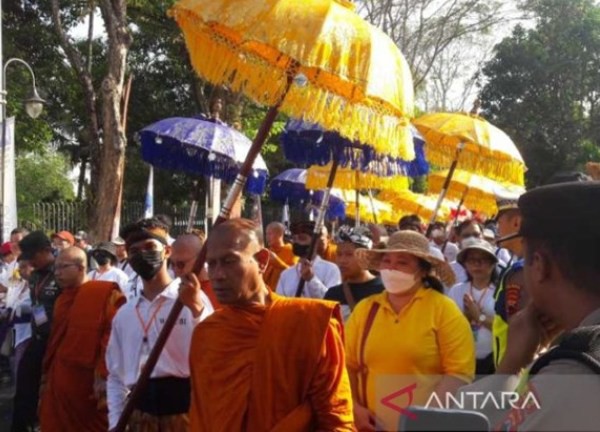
(74, 359)
(273, 271)
(330, 253)
(251, 372)
(286, 254)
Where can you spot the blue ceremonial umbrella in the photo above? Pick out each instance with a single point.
(201, 146)
(288, 188)
(308, 144)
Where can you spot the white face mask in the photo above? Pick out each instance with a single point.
(396, 281)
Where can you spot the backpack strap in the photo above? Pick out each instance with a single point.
(348, 296)
(363, 370)
(581, 345)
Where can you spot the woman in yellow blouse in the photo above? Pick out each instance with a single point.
(409, 341)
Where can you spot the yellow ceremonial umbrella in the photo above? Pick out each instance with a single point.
(316, 60)
(408, 202)
(474, 191)
(375, 211)
(469, 142)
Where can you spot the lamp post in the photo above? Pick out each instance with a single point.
(34, 105)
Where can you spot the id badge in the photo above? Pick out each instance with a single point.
(144, 354)
(39, 315)
(475, 330)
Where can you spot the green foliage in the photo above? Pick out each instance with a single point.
(542, 87)
(41, 177)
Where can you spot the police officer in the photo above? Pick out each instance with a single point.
(37, 249)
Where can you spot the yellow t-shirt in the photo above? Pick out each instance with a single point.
(430, 337)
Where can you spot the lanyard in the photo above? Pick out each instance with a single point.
(480, 298)
(146, 326)
(39, 286)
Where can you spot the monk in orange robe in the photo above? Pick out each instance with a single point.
(249, 369)
(274, 234)
(74, 373)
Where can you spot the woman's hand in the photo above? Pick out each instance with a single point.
(364, 420)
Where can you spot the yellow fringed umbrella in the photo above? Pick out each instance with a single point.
(474, 191)
(469, 142)
(488, 151)
(312, 59)
(370, 209)
(349, 76)
(350, 179)
(408, 202)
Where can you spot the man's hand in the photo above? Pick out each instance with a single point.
(306, 270)
(189, 294)
(528, 332)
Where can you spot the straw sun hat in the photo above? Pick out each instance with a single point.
(412, 243)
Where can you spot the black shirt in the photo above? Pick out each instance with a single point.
(44, 291)
(359, 291)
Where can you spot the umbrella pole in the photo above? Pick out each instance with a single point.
(373, 207)
(444, 190)
(357, 199)
(234, 193)
(462, 200)
(320, 222)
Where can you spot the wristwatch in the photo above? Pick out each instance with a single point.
(482, 318)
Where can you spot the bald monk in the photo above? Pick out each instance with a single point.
(250, 371)
(275, 267)
(326, 248)
(185, 251)
(73, 394)
(275, 232)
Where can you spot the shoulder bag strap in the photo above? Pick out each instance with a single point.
(363, 371)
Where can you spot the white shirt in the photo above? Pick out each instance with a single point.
(326, 276)
(124, 351)
(504, 256)
(485, 300)
(126, 267)
(19, 300)
(459, 272)
(114, 274)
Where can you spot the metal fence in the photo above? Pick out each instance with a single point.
(72, 216)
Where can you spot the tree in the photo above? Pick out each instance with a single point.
(543, 87)
(55, 186)
(424, 29)
(103, 120)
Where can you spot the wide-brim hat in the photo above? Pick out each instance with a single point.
(108, 247)
(476, 244)
(410, 242)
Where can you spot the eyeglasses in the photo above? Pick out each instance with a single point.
(479, 261)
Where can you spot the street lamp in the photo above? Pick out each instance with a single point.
(34, 105)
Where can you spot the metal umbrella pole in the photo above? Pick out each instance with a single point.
(320, 222)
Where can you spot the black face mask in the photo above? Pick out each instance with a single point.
(300, 250)
(101, 258)
(146, 263)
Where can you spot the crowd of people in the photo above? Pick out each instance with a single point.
(439, 310)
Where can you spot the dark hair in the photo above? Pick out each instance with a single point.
(576, 259)
(567, 177)
(143, 224)
(430, 281)
(165, 220)
(466, 223)
(23, 231)
(410, 222)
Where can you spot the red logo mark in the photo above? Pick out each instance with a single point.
(408, 390)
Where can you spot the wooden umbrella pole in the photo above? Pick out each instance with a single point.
(444, 190)
(462, 200)
(232, 197)
(320, 221)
